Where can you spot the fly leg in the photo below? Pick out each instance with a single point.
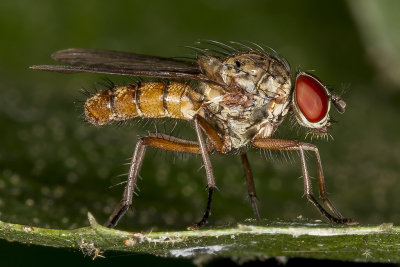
(216, 143)
(291, 145)
(201, 125)
(157, 141)
(250, 185)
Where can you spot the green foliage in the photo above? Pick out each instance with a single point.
(249, 239)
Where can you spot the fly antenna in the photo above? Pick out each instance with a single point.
(339, 103)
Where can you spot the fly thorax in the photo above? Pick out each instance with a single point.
(242, 72)
(248, 95)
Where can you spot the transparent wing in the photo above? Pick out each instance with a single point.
(122, 63)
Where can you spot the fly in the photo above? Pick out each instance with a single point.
(236, 96)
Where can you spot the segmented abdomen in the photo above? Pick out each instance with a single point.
(148, 100)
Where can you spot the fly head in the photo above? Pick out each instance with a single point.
(311, 101)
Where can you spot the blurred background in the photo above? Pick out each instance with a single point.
(54, 167)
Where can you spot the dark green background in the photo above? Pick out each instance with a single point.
(54, 167)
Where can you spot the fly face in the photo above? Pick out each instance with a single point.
(311, 102)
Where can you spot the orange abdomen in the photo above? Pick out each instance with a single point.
(148, 100)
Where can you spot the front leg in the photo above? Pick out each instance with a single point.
(291, 145)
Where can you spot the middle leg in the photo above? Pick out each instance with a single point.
(250, 185)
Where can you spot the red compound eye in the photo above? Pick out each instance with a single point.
(311, 98)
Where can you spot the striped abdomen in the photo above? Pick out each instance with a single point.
(148, 100)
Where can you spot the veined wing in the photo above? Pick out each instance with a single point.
(122, 63)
